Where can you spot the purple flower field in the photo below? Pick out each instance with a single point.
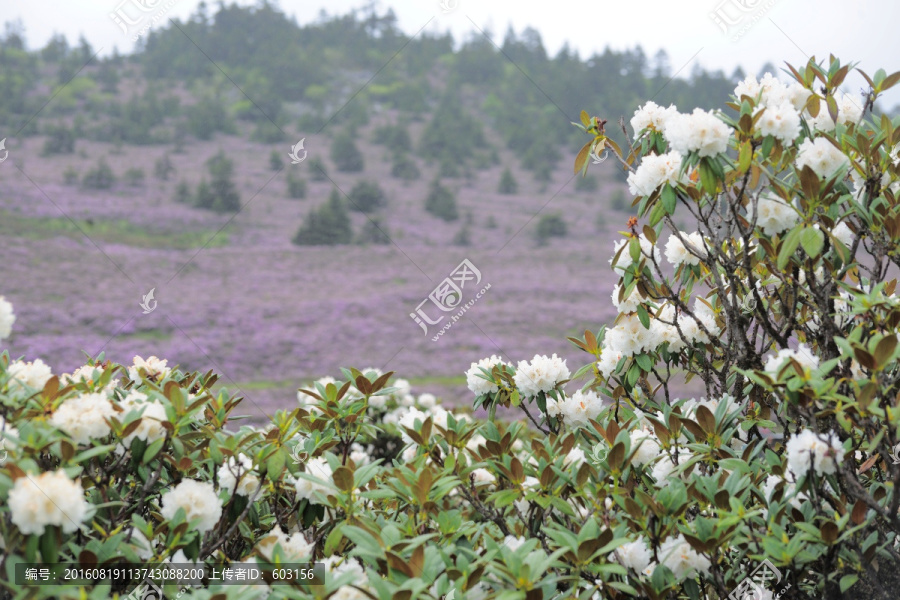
(266, 314)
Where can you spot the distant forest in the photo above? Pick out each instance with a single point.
(256, 65)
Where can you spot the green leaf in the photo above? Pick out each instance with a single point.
(812, 241)
(788, 247)
(634, 249)
(643, 316)
(275, 465)
(847, 581)
(343, 479)
(49, 548)
(668, 199)
(152, 450)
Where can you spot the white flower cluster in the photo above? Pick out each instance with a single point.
(678, 555)
(152, 367)
(809, 450)
(654, 171)
(677, 254)
(774, 215)
(701, 132)
(294, 548)
(576, 410)
(629, 304)
(85, 374)
(822, 157)
(633, 555)
(781, 122)
(199, 501)
(306, 489)
(153, 415)
(803, 355)
(772, 92)
(84, 417)
(475, 378)
(542, 374)
(652, 117)
(666, 465)
(7, 318)
(23, 375)
(645, 446)
(850, 112)
(238, 469)
(782, 105)
(51, 498)
(629, 337)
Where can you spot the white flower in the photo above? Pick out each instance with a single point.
(51, 498)
(701, 132)
(633, 555)
(577, 409)
(651, 116)
(294, 548)
(513, 542)
(798, 95)
(474, 376)
(677, 253)
(143, 547)
(665, 466)
(609, 358)
(320, 469)
(153, 415)
(843, 233)
(7, 318)
(574, 458)
(624, 261)
(482, 476)
(542, 374)
(822, 157)
(241, 468)
(774, 215)
(676, 554)
(409, 454)
(803, 355)
(630, 337)
(790, 491)
(820, 452)
(781, 121)
(850, 109)
(648, 449)
(199, 501)
(628, 304)
(773, 91)
(654, 171)
(359, 455)
(427, 400)
(84, 417)
(153, 367)
(31, 374)
(85, 373)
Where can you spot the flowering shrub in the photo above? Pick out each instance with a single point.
(781, 303)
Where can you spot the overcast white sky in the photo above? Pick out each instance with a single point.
(784, 30)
